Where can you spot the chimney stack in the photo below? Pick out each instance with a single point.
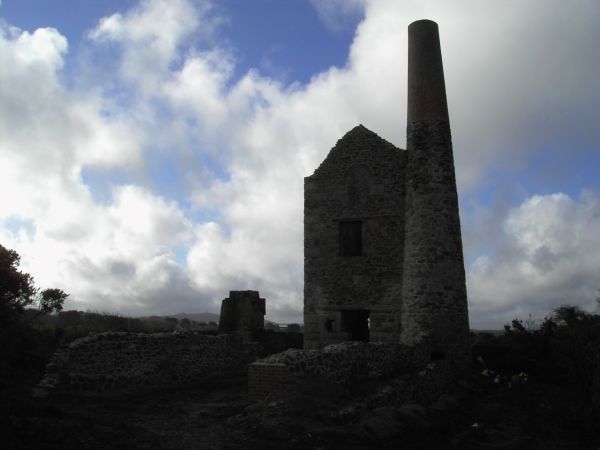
(434, 291)
(426, 87)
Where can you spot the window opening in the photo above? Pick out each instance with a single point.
(351, 238)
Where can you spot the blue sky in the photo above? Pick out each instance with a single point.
(153, 150)
(271, 35)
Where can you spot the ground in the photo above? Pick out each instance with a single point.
(478, 414)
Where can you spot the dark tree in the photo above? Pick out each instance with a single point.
(569, 315)
(50, 300)
(17, 289)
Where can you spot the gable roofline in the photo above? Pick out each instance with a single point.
(358, 137)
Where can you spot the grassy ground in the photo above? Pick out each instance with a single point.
(312, 415)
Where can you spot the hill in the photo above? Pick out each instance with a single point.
(198, 317)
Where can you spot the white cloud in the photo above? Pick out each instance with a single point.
(150, 36)
(115, 257)
(338, 14)
(48, 132)
(547, 257)
(518, 74)
(198, 88)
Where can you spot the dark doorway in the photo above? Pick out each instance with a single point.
(357, 324)
(329, 325)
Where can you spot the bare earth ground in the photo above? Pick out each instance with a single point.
(311, 415)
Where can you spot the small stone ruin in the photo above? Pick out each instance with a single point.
(243, 313)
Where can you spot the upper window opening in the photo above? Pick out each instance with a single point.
(351, 238)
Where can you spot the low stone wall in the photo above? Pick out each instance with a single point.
(266, 378)
(118, 361)
(346, 362)
(352, 361)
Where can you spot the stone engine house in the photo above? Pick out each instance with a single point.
(383, 256)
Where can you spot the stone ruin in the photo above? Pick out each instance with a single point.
(384, 279)
(383, 258)
(243, 313)
(130, 362)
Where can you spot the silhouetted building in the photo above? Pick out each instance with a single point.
(243, 313)
(383, 256)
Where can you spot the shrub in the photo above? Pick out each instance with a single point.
(566, 348)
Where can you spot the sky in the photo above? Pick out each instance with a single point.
(152, 152)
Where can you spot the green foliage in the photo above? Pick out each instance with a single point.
(566, 348)
(576, 345)
(51, 300)
(17, 289)
(24, 349)
(71, 325)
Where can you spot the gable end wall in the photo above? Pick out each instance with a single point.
(362, 179)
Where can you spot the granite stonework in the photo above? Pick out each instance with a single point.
(127, 362)
(434, 295)
(406, 372)
(243, 313)
(349, 362)
(362, 180)
(383, 259)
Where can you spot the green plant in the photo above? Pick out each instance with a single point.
(565, 348)
(17, 288)
(18, 291)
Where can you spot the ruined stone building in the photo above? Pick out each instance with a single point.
(383, 256)
(243, 313)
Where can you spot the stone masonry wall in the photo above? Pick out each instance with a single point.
(243, 313)
(266, 378)
(362, 179)
(434, 291)
(117, 361)
(435, 297)
(346, 363)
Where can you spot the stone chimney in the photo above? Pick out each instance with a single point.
(434, 290)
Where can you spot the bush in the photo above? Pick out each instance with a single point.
(565, 348)
(576, 347)
(24, 349)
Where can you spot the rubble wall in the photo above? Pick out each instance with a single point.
(118, 361)
(348, 362)
(344, 363)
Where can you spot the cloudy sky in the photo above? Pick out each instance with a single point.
(152, 152)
